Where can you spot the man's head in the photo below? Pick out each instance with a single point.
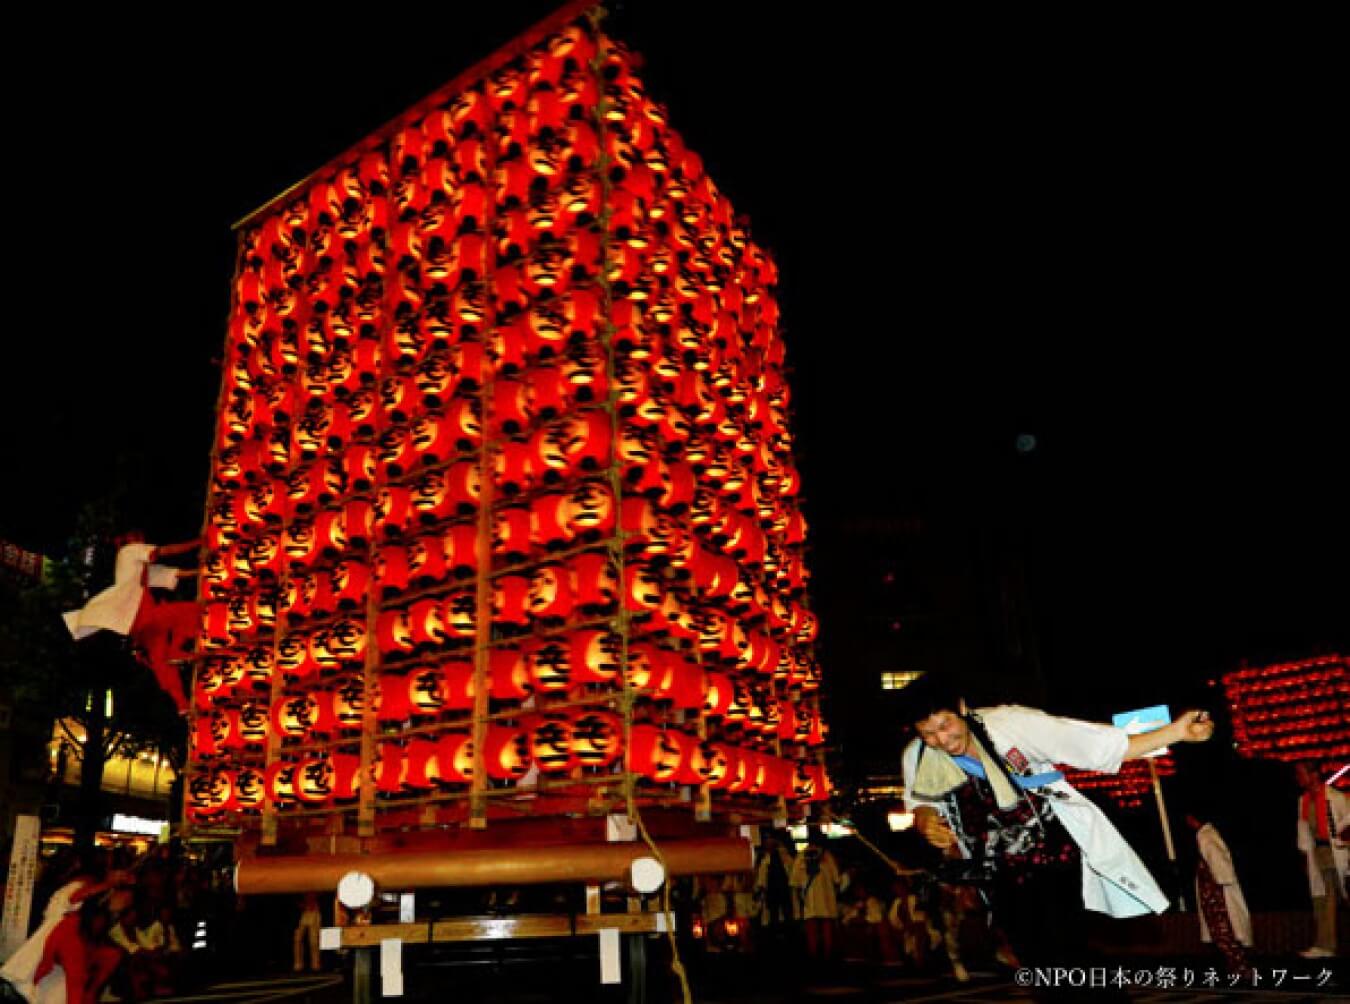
(936, 708)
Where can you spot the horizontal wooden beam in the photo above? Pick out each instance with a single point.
(500, 866)
(542, 925)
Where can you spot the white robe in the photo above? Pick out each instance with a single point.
(115, 608)
(1338, 816)
(22, 965)
(1115, 881)
(1220, 861)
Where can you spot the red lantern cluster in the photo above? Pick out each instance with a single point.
(528, 295)
(1130, 787)
(1293, 710)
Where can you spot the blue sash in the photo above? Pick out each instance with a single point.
(971, 765)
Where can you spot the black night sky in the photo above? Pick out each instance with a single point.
(1115, 237)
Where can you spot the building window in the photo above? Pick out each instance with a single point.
(898, 681)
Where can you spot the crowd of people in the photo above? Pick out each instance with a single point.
(866, 910)
(113, 925)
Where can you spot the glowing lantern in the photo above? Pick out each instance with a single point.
(231, 674)
(595, 582)
(426, 560)
(360, 464)
(299, 543)
(293, 657)
(461, 614)
(511, 533)
(217, 630)
(597, 738)
(643, 591)
(323, 601)
(550, 521)
(393, 698)
(457, 685)
(590, 510)
(512, 466)
(506, 753)
(279, 783)
(292, 717)
(264, 554)
(249, 788)
(551, 742)
(643, 658)
(461, 549)
(358, 522)
(201, 796)
(426, 691)
(389, 766)
(656, 754)
(348, 702)
(509, 670)
(394, 632)
(463, 486)
(721, 691)
(809, 783)
(391, 569)
(346, 640)
(225, 728)
(594, 656)
(258, 665)
(350, 583)
(426, 621)
(549, 666)
(240, 620)
(314, 781)
(680, 681)
(431, 500)
(510, 595)
(421, 764)
(550, 593)
(253, 723)
(393, 510)
(454, 757)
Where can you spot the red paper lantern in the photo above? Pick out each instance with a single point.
(293, 657)
(511, 528)
(550, 666)
(293, 717)
(595, 581)
(393, 699)
(253, 723)
(389, 766)
(550, 594)
(551, 742)
(421, 764)
(510, 596)
(394, 632)
(461, 548)
(550, 521)
(461, 614)
(457, 685)
(594, 656)
(249, 789)
(427, 692)
(597, 738)
(455, 758)
(506, 753)
(314, 781)
(509, 670)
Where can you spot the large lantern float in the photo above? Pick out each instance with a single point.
(445, 578)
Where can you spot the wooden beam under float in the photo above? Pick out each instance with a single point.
(500, 866)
